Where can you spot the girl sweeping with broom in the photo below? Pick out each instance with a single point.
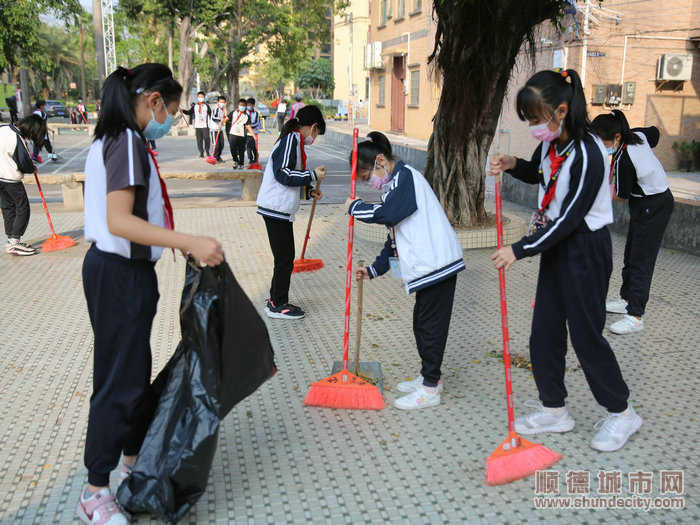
(128, 220)
(284, 181)
(570, 167)
(421, 248)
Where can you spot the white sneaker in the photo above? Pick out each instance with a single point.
(616, 307)
(419, 398)
(101, 509)
(410, 386)
(544, 420)
(615, 430)
(627, 325)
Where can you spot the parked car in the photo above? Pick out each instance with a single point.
(263, 110)
(55, 109)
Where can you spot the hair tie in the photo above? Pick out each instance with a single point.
(368, 139)
(564, 73)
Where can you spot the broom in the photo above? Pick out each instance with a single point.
(256, 165)
(515, 458)
(55, 242)
(308, 265)
(211, 159)
(343, 389)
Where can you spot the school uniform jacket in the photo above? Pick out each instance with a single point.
(15, 157)
(285, 179)
(427, 246)
(217, 115)
(582, 196)
(638, 173)
(254, 117)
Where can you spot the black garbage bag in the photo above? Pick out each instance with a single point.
(225, 354)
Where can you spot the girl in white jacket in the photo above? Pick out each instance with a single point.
(15, 162)
(421, 248)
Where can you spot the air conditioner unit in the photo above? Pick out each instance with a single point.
(674, 67)
(368, 56)
(377, 62)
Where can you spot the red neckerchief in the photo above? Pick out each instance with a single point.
(613, 179)
(200, 107)
(556, 162)
(167, 207)
(303, 154)
(240, 114)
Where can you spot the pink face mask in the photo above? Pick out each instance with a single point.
(378, 182)
(542, 132)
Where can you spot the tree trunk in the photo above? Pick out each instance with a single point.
(184, 68)
(83, 89)
(469, 34)
(170, 45)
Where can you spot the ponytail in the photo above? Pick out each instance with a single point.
(609, 125)
(367, 151)
(121, 89)
(546, 90)
(306, 116)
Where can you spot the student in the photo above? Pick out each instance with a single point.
(128, 220)
(81, 110)
(284, 179)
(281, 113)
(238, 125)
(15, 162)
(12, 104)
(255, 125)
(570, 167)
(639, 178)
(39, 110)
(424, 249)
(217, 116)
(201, 113)
(298, 104)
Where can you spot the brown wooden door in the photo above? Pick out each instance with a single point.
(398, 97)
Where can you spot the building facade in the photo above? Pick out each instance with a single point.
(403, 97)
(350, 33)
(640, 57)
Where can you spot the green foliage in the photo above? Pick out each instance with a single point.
(316, 77)
(686, 149)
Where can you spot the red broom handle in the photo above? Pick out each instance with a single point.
(217, 136)
(311, 218)
(84, 119)
(43, 200)
(504, 308)
(348, 275)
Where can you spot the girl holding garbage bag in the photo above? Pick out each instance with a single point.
(569, 231)
(128, 220)
(421, 248)
(285, 180)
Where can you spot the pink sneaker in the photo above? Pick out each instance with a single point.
(101, 509)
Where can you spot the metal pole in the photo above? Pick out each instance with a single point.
(584, 47)
(83, 90)
(352, 91)
(99, 41)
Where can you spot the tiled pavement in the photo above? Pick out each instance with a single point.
(280, 462)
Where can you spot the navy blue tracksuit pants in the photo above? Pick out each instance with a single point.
(649, 217)
(571, 289)
(431, 325)
(122, 296)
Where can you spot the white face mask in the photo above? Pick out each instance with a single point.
(222, 105)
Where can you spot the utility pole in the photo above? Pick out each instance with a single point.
(24, 85)
(584, 47)
(99, 41)
(83, 91)
(352, 90)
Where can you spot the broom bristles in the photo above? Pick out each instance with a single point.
(211, 160)
(509, 463)
(57, 242)
(307, 265)
(352, 393)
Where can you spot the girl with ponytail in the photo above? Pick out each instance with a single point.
(285, 180)
(128, 220)
(421, 248)
(569, 232)
(636, 175)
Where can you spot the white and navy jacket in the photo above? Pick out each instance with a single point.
(285, 179)
(15, 157)
(582, 196)
(428, 248)
(638, 173)
(217, 115)
(254, 120)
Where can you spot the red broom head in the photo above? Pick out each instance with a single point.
(344, 390)
(255, 167)
(307, 265)
(57, 242)
(517, 458)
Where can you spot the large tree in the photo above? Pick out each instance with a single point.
(476, 45)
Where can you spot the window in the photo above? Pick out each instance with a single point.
(415, 87)
(382, 14)
(400, 9)
(417, 6)
(382, 88)
(367, 88)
